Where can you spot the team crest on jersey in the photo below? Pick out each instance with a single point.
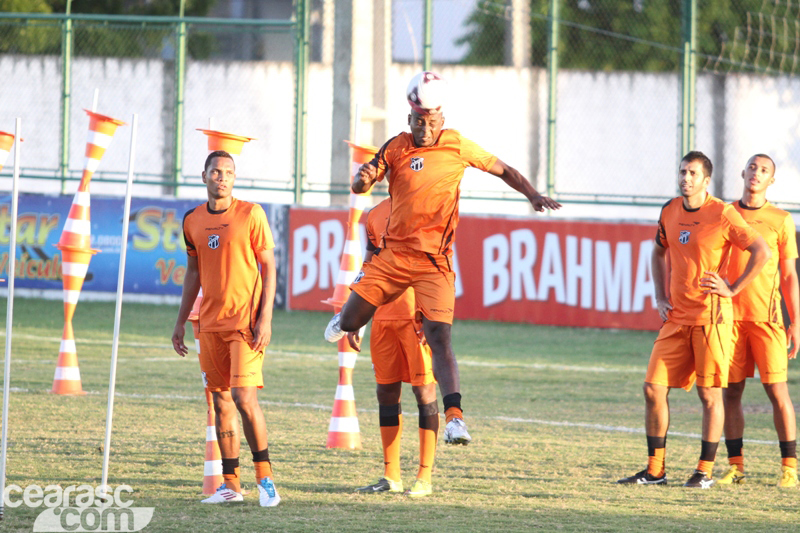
(684, 237)
(213, 241)
(417, 163)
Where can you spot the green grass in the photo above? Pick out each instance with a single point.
(555, 413)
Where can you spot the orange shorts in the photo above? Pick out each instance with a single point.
(762, 344)
(398, 354)
(684, 354)
(393, 270)
(227, 360)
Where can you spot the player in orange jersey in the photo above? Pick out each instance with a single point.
(760, 337)
(400, 355)
(425, 169)
(697, 231)
(230, 254)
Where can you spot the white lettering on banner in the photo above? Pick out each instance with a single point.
(495, 269)
(613, 277)
(508, 268)
(552, 271)
(457, 271)
(644, 278)
(579, 269)
(331, 243)
(304, 259)
(523, 257)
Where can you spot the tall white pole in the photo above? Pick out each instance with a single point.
(12, 267)
(95, 98)
(118, 311)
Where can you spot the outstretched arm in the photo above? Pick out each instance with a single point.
(791, 294)
(518, 182)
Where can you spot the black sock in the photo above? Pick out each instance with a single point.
(708, 450)
(734, 447)
(452, 400)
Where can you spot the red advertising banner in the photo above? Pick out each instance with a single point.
(535, 270)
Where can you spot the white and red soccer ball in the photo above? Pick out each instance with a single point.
(426, 92)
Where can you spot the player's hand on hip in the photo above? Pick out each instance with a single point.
(177, 340)
(713, 283)
(792, 339)
(354, 340)
(540, 203)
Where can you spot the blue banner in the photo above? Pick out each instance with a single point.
(156, 259)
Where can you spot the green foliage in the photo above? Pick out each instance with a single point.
(643, 35)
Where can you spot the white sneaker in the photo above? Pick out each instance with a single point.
(333, 332)
(224, 495)
(456, 432)
(267, 495)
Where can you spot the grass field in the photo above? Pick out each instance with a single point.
(555, 414)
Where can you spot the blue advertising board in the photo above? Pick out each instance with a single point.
(156, 258)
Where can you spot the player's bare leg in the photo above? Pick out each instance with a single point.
(228, 440)
(656, 424)
(354, 315)
(254, 427)
(784, 417)
(734, 432)
(445, 369)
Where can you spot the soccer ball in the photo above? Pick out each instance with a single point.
(426, 92)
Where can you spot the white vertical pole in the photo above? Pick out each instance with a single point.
(12, 267)
(95, 98)
(357, 124)
(118, 311)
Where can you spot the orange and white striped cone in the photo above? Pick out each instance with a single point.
(76, 252)
(6, 142)
(343, 431)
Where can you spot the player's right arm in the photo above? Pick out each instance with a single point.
(658, 265)
(791, 293)
(191, 286)
(365, 178)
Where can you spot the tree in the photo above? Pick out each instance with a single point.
(607, 34)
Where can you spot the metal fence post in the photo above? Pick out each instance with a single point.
(689, 76)
(66, 83)
(552, 93)
(302, 29)
(428, 37)
(180, 80)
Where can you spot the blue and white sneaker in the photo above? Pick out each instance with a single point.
(333, 332)
(224, 495)
(267, 495)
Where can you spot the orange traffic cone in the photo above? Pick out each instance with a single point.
(6, 142)
(220, 140)
(343, 431)
(76, 253)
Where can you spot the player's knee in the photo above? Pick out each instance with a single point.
(653, 393)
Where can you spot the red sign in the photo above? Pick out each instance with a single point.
(535, 270)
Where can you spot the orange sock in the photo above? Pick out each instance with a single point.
(428, 435)
(705, 466)
(453, 412)
(738, 462)
(391, 420)
(656, 462)
(791, 462)
(263, 469)
(232, 481)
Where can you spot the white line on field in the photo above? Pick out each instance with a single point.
(533, 421)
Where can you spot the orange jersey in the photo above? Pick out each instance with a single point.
(225, 244)
(760, 301)
(403, 306)
(424, 187)
(699, 240)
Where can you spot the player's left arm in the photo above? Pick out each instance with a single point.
(791, 294)
(713, 283)
(518, 182)
(262, 333)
